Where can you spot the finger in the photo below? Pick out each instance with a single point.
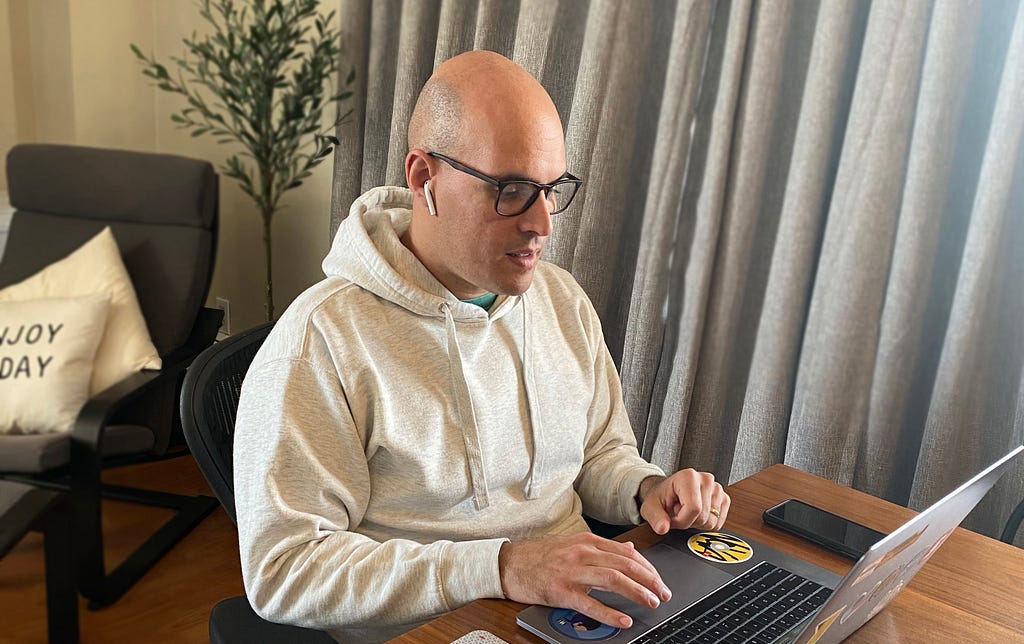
(685, 489)
(594, 609)
(707, 490)
(715, 509)
(613, 580)
(723, 507)
(634, 556)
(621, 555)
(612, 551)
(624, 557)
(662, 589)
(636, 568)
(711, 511)
(653, 511)
(711, 524)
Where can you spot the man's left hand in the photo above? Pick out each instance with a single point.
(687, 499)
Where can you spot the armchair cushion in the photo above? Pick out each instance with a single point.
(46, 358)
(96, 267)
(36, 453)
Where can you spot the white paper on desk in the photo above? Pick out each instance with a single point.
(479, 637)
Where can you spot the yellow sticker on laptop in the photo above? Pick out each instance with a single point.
(720, 547)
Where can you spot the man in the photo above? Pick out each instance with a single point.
(425, 426)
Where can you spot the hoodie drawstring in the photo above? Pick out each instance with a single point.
(466, 414)
(530, 489)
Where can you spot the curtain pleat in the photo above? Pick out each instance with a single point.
(841, 338)
(416, 58)
(693, 261)
(358, 139)
(659, 222)
(492, 26)
(609, 89)
(893, 430)
(984, 345)
(761, 150)
(548, 44)
(801, 224)
(456, 30)
(822, 114)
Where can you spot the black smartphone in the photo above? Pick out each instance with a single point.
(831, 531)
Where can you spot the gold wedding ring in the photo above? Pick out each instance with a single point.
(716, 512)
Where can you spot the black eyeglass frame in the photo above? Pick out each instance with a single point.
(566, 178)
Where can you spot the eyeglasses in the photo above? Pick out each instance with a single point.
(515, 197)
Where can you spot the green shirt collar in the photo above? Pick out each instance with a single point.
(483, 301)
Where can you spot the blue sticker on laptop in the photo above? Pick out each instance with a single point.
(578, 626)
(720, 547)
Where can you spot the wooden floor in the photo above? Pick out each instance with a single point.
(170, 604)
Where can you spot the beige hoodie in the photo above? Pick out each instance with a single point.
(390, 438)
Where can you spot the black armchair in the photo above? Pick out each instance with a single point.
(209, 401)
(24, 508)
(162, 210)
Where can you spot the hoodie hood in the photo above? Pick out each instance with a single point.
(368, 251)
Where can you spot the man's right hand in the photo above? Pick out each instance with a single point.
(560, 571)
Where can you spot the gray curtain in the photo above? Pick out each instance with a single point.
(803, 222)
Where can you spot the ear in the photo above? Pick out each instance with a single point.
(418, 171)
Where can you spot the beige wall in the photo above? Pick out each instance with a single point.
(67, 75)
(113, 103)
(8, 121)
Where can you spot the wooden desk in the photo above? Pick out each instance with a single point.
(972, 590)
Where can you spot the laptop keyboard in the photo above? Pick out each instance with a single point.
(757, 607)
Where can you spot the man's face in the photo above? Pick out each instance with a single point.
(476, 249)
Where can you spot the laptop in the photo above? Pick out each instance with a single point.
(727, 588)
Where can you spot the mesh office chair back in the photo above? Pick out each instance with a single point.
(209, 402)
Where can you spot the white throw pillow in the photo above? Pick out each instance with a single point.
(46, 358)
(96, 267)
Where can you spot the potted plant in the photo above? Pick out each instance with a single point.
(258, 80)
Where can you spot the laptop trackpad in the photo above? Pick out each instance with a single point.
(687, 582)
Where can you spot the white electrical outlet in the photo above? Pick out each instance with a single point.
(224, 304)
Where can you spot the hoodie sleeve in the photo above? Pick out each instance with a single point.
(301, 487)
(612, 467)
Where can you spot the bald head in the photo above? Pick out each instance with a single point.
(481, 120)
(470, 95)
(435, 120)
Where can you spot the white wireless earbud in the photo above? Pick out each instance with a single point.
(429, 198)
